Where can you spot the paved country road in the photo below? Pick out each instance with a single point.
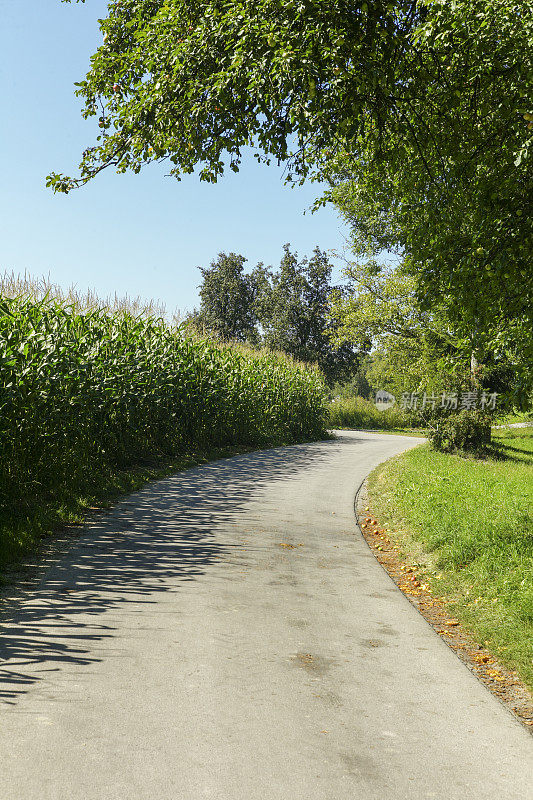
(226, 633)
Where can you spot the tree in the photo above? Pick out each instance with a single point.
(227, 300)
(410, 348)
(285, 309)
(488, 305)
(293, 309)
(413, 348)
(426, 102)
(452, 192)
(191, 82)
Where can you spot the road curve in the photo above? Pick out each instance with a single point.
(227, 634)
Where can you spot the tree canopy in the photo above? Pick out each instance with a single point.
(452, 191)
(419, 112)
(411, 348)
(294, 313)
(194, 82)
(227, 298)
(285, 309)
(416, 348)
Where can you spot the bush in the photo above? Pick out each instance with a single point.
(467, 431)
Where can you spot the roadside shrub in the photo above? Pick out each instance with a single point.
(467, 431)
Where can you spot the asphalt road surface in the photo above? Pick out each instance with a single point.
(226, 633)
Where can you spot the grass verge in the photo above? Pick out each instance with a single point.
(417, 432)
(514, 416)
(358, 413)
(468, 524)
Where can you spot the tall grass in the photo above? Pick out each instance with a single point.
(85, 388)
(355, 412)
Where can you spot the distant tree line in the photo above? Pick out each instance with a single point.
(284, 309)
(372, 332)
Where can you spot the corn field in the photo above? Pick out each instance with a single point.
(83, 389)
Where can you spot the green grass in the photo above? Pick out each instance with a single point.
(469, 522)
(514, 416)
(361, 414)
(420, 432)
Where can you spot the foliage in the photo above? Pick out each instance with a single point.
(419, 111)
(410, 348)
(509, 418)
(191, 82)
(227, 300)
(285, 310)
(81, 391)
(488, 319)
(355, 412)
(293, 310)
(450, 189)
(470, 522)
(467, 431)
(357, 385)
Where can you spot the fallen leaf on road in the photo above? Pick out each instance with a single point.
(307, 658)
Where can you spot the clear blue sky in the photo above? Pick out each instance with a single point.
(131, 234)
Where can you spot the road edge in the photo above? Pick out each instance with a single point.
(500, 681)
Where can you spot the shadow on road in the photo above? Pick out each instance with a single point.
(147, 544)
